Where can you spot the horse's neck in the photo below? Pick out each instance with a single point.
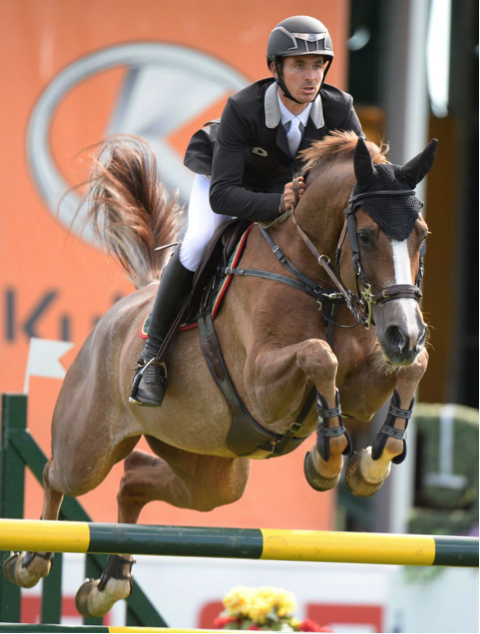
(321, 211)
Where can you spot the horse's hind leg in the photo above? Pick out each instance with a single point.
(179, 478)
(26, 569)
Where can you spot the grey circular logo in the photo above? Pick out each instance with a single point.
(166, 86)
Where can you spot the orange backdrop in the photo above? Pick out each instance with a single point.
(54, 283)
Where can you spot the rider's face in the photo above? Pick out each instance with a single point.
(303, 76)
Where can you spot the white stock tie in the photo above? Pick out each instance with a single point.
(294, 136)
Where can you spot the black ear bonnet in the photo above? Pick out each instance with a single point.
(396, 215)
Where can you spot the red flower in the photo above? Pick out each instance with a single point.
(310, 626)
(255, 627)
(223, 620)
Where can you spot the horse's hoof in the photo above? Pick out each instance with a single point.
(83, 595)
(25, 569)
(314, 479)
(92, 602)
(10, 566)
(355, 479)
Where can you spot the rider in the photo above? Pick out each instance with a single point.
(262, 129)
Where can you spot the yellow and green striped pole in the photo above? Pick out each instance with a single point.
(70, 629)
(237, 543)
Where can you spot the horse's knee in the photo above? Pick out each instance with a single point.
(228, 487)
(420, 364)
(138, 459)
(317, 360)
(133, 487)
(214, 499)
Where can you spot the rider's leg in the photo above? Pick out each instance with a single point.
(150, 381)
(202, 223)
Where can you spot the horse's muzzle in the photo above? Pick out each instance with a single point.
(401, 347)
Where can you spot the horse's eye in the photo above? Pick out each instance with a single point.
(364, 238)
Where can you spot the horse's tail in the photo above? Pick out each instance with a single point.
(130, 208)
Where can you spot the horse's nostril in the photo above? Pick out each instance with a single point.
(422, 338)
(396, 339)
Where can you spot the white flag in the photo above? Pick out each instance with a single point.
(44, 359)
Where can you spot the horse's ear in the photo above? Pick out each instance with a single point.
(416, 169)
(362, 163)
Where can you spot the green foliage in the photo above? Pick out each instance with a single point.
(446, 500)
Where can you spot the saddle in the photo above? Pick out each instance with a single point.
(246, 436)
(217, 254)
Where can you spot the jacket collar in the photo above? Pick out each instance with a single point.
(273, 116)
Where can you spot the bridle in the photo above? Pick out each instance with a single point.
(359, 305)
(395, 291)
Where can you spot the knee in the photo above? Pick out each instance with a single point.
(128, 486)
(413, 374)
(230, 490)
(215, 499)
(317, 360)
(422, 360)
(192, 249)
(138, 459)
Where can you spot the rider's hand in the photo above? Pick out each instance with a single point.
(289, 199)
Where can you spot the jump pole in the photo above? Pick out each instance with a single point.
(235, 543)
(106, 629)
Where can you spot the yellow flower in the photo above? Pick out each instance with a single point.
(257, 603)
(237, 599)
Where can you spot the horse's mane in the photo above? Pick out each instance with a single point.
(340, 146)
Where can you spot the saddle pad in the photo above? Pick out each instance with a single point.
(221, 292)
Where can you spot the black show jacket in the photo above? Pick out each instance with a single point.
(251, 160)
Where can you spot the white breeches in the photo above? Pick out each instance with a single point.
(202, 223)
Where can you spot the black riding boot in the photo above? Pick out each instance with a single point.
(150, 380)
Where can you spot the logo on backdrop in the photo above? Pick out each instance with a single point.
(166, 86)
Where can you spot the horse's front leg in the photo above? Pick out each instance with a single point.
(280, 376)
(368, 469)
(324, 462)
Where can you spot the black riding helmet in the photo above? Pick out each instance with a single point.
(298, 35)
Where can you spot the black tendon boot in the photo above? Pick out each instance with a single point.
(150, 380)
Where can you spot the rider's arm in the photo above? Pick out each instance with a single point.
(227, 194)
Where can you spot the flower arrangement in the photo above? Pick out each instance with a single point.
(265, 608)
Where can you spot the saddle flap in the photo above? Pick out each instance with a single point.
(217, 253)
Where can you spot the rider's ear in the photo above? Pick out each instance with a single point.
(417, 168)
(362, 163)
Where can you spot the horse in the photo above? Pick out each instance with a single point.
(354, 340)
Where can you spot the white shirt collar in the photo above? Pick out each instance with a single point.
(287, 116)
(273, 116)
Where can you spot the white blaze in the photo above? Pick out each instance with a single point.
(401, 262)
(403, 275)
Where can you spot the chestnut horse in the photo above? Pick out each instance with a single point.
(274, 341)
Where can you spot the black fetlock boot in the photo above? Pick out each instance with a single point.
(150, 380)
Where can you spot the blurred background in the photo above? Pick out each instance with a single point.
(77, 72)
